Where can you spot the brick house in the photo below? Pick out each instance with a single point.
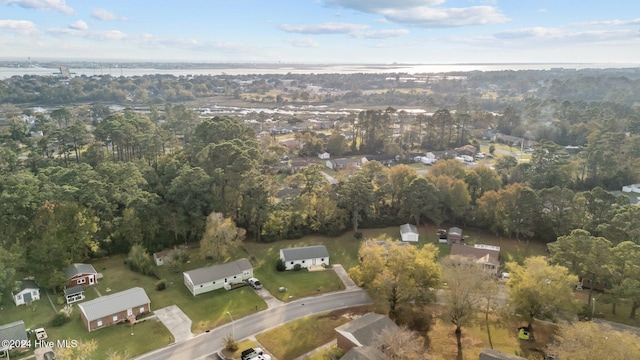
(81, 274)
(114, 308)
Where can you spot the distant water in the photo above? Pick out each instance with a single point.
(311, 69)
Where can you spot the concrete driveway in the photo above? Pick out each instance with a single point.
(176, 321)
(344, 276)
(268, 298)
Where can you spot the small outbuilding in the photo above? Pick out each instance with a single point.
(409, 232)
(304, 256)
(324, 156)
(74, 294)
(25, 292)
(158, 257)
(454, 235)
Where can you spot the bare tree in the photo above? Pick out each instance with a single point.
(401, 344)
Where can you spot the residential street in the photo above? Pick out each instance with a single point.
(207, 343)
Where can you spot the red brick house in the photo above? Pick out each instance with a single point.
(81, 275)
(114, 308)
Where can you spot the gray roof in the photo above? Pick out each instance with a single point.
(114, 303)
(491, 354)
(363, 353)
(26, 284)
(303, 253)
(77, 269)
(73, 290)
(408, 228)
(12, 331)
(344, 161)
(364, 329)
(217, 272)
(455, 230)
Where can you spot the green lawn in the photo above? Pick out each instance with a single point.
(298, 337)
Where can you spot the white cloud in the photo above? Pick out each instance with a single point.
(564, 35)
(79, 25)
(325, 28)
(615, 22)
(55, 5)
(381, 34)
(374, 6)
(20, 27)
(446, 17)
(105, 15)
(304, 42)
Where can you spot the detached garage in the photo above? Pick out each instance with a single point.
(409, 232)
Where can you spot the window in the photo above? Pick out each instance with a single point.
(115, 318)
(321, 259)
(292, 263)
(99, 323)
(225, 280)
(235, 276)
(141, 309)
(19, 297)
(213, 283)
(81, 280)
(303, 261)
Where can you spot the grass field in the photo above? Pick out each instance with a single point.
(309, 333)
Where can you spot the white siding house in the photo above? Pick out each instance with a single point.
(324, 156)
(25, 292)
(305, 256)
(409, 232)
(215, 277)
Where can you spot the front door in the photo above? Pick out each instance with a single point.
(129, 312)
(91, 280)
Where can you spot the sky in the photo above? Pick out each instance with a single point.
(323, 31)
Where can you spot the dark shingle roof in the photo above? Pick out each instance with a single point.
(303, 253)
(114, 303)
(27, 284)
(217, 272)
(363, 353)
(12, 331)
(363, 330)
(487, 255)
(73, 290)
(77, 269)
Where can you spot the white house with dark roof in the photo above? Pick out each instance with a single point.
(81, 274)
(74, 294)
(12, 334)
(409, 232)
(111, 309)
(25, 292)
(215, 277)
(304, 256)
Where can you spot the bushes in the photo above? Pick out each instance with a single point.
(59, 319)
(280, 266)
(140, 261)
(297, 267)
(161, 284)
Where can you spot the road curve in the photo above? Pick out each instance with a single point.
(207, 343)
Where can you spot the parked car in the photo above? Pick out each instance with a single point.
(255, 283)
(41, 334)
(251, 353)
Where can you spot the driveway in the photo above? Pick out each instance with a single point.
(176, 321)
(268, 298)
(346, 280)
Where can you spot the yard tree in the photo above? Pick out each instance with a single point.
(356, 196)
(625, 264)
(336, 143)
(451, 168)
(623, 226)
(486, 211)
(420, 200)
(518, 210)
(463, 279)
(139, 260)
(220, 235)
(85, 350)
(590, 340)
(540, 290)
(397, 275)
(454, 196)
(557, 209)
(400, 176)
(586, 256)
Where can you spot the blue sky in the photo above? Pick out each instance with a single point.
(323, 31)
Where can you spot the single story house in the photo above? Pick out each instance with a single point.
(364, 353)
(486, 255)
(344, 163)
(111, 309)
(383, 159)
(466, 150)
(74, 294)
(409, 232)
(81, 274)
(362, 331)
(324, 156)
(631, 188)
(304, 256)
(12, 334)
(159, 256)
(491, 354)
(454, 235)
(298, 165)
(25, 292)
(215, 277)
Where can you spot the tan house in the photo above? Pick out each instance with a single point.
(112, 309)
(486, 255)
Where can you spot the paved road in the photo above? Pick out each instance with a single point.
(207, 343)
